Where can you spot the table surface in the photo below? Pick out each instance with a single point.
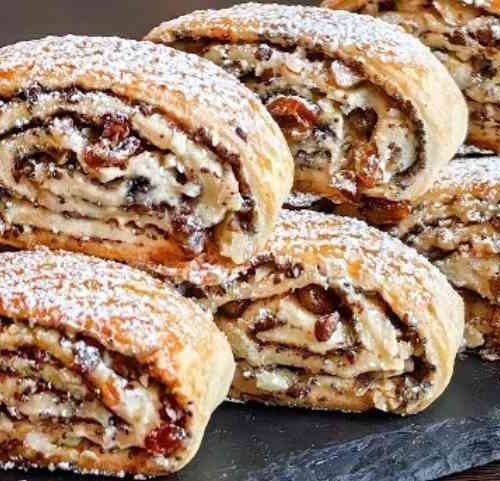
(486, 473)
(24, 19)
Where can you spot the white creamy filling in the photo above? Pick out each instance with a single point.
(137, 404)
(213, 186)
(293, 327)
(342, 90)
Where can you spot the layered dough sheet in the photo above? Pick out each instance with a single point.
(116, 164)
(333, 314)
(102, 369)
(357, 134)
(457, 226)
(465, 36)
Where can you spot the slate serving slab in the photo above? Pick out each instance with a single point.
(253, 443)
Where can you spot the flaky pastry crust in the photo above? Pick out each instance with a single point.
(333, 314)
(103, 369)
(164, 154)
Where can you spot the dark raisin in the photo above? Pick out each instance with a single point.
(325, 326)
(316, 299)
(458, 38)
(234, 309)
(115, 127)
(188, 289)
(165, 440)
(263, 53)
(486, 37)
(266, 323)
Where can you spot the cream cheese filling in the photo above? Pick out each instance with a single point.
(104, 193)
(335, 91)
(136, 403)
(290, 340)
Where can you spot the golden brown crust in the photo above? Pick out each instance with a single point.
(123, 311)
(365, 266)
(465, 36)
(457, 225)
(402, 68)
(231, 119)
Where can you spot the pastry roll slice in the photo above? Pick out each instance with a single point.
(333, 314)
(102, 368)
(364, 107)
(129, 150)
(457, 226)
(464, 35)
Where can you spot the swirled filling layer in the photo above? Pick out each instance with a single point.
(64, 398)
(348, 137)
(315, 338)
(93, 165)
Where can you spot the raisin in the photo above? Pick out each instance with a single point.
(234, 309)
(384, 211)
(316, 300)
(293, 115)
(263, 53)
(165, 440)
(363, 121)
(116, 127)
(486, 37)
(325, 326)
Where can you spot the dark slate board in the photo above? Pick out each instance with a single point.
(253, 443)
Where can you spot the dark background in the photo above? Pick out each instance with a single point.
(260, 444)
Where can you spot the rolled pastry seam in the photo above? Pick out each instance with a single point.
(103, 369)
(457, 226)
(364, 107)
(129, 150)
(333, 314)
(465, 36)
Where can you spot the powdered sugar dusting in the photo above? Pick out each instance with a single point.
(124, 309)
(460, 173)
(328, 243)
(309, 27)
(130, 67)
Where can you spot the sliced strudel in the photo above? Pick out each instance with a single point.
(129, 150)
(364, 106)
(333, 314)
(465, 36)
(102, 368)
(457, 226)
